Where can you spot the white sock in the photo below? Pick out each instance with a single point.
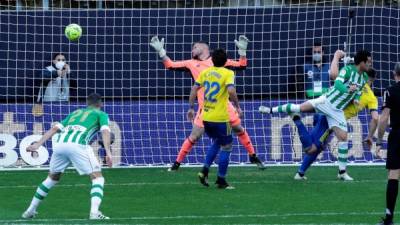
(342, 154)
(96, 194)
(41, 192)
(287, 108)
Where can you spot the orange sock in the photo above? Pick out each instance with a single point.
(185, 149)
(244, 139)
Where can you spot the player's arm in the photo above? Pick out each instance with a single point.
(158, 46)
(230, 85)
(241, 64)
(382, 124)
(357, 97)
(334, 69)
(373, 123)
(192, 100)
(193, 93)
(57, 127)
(46, 136)
(344, 75)
(175, 65)
(106, 137)
(383, 119)
(234, 99)
(241, 44)
(49, 75)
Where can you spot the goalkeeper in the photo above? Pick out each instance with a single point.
(314, 142)
(200, 61)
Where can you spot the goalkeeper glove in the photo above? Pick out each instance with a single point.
(158, 46)
(242, 45)
(348, 60)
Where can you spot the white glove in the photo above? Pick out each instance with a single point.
(348, 60)
(242, 45)
(158, 46)
(264, 109)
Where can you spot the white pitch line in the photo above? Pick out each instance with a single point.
(324, 214)
(196, 183)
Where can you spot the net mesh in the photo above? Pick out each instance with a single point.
(147, 103)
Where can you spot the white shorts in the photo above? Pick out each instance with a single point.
(82, 158)
(334, 116)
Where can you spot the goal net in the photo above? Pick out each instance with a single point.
(147, 103)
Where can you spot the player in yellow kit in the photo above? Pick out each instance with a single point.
(218, 83)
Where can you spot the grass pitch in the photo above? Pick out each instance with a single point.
(155, 196)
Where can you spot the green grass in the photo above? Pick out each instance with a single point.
(155, 196)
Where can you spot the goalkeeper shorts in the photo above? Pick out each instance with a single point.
(234, 118)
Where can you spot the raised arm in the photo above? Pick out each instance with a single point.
(169, 64)
(241, 44)
(334, 70)
(241, 63)
(162, 53)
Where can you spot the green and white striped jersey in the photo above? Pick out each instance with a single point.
(82, 125)
(340, 97)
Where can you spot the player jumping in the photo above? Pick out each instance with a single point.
(315, 141)
(72, 146)
(348, 88)
(200, 61)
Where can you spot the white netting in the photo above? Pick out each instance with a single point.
(147, 103)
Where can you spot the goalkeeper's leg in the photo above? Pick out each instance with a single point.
(243, 137)
(197, 132)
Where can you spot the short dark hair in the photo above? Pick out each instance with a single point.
(57, 54)
(94, 99)
(397, 69)
(371, 73)
(219, 57)
(361, 56)
(201, 42)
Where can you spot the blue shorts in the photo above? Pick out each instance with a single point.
(219, 132)
(320, 132)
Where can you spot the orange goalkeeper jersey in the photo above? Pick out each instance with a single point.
(197, 66)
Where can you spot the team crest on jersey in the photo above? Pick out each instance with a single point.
(342, 72)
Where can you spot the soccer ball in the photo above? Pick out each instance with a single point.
(73, 32)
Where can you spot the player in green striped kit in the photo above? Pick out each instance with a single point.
(71, 145)
(348, 88)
